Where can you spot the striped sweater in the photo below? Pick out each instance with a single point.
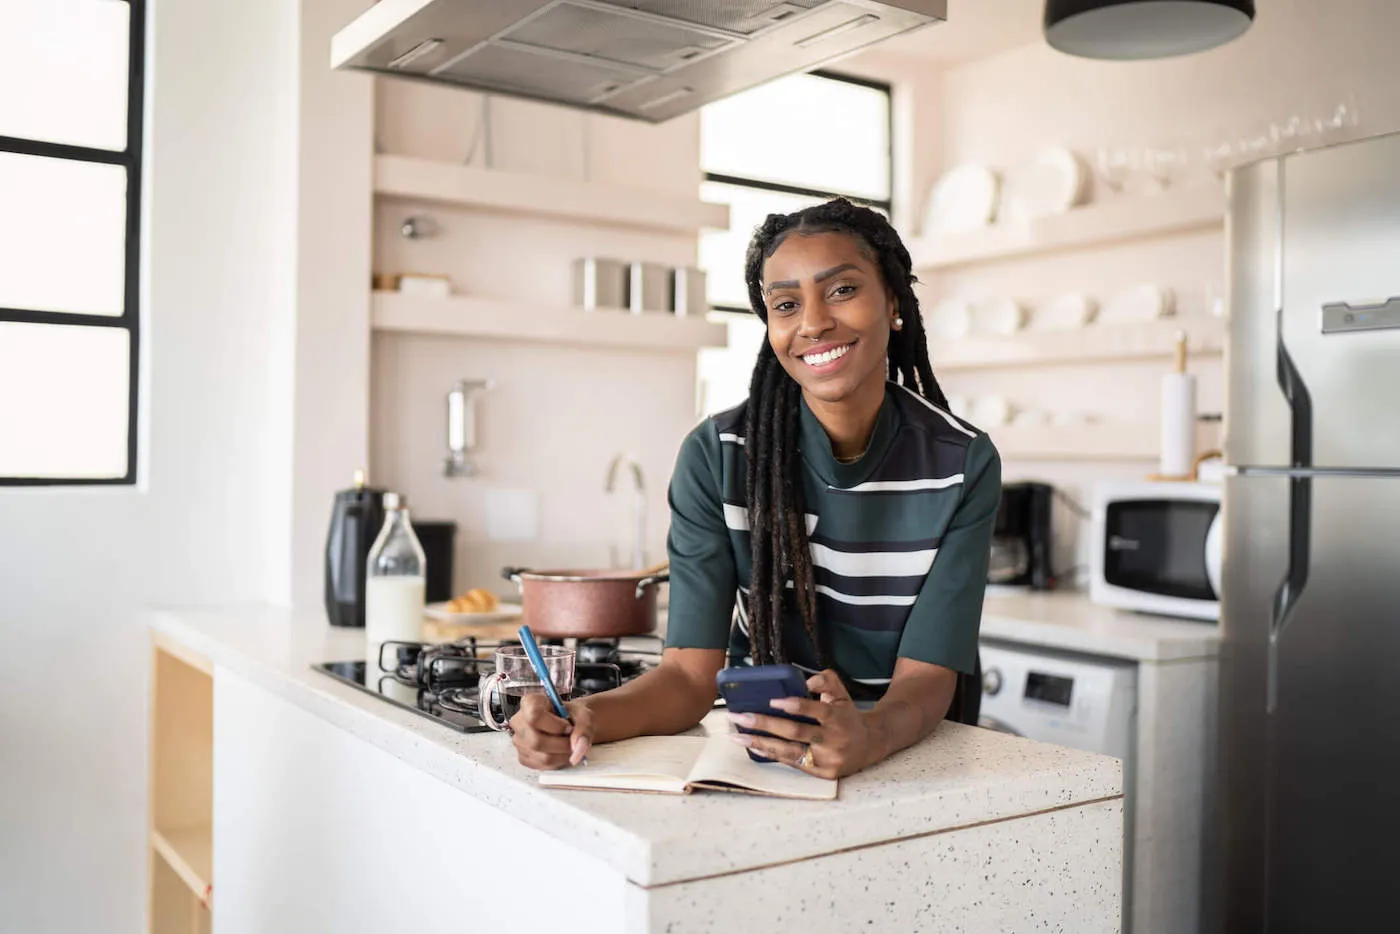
(900, 539)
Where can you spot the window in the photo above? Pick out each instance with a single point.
(777, 148)
(70, 187)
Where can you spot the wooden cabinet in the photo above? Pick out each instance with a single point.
(180, 853)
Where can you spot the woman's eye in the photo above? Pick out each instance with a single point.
(843, 290)
(785, 308)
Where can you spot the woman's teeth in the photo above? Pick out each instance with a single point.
(821, 359)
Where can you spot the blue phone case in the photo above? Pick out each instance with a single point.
(748, 689)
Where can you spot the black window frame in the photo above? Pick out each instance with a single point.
(129, 320)
(886, 205)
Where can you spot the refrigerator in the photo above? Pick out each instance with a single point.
(1308, 759)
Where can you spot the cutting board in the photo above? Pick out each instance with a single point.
(436, 630)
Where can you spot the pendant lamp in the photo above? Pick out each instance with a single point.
(1134, 29)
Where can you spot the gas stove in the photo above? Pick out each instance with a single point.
(439, 681)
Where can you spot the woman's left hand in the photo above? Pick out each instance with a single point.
(840, 740)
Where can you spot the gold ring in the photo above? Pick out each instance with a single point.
(807, 760)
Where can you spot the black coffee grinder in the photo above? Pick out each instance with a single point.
(356, 518)
(1022, 540)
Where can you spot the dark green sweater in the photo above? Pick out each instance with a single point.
(900, 539)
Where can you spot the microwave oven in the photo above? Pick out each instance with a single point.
(1157, 548)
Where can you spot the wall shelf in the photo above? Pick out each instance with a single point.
(408, 177)
(1109, 343)
(190, 852)
(1195, 207)
(181, 841)
(466, 316)
(1119, 441)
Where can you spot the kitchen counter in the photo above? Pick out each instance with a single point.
(1067, 621)
(1175, 732)
(995, 824)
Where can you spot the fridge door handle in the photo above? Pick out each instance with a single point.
(1295, 577)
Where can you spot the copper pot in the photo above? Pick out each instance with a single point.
(588, 604)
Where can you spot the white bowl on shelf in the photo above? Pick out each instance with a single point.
(1069, 311)
(997, 315)
(1145, 302)
(947, 318)
(993, 411)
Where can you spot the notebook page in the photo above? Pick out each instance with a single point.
(646, 763)
(725, 762)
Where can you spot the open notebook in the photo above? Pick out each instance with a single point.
(677, 765)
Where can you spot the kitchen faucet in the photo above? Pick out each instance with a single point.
(640, 527)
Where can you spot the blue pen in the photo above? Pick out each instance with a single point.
(532, 651)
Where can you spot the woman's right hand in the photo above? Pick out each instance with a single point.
(543, 741)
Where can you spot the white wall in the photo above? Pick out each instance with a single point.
(1300, 57)
(557, 414)
(212, 519)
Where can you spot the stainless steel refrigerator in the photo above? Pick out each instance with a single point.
(1309, 752)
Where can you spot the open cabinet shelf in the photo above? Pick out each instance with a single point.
(469, 316)
(410, 178)
(180, 834)
(1109, 343)
(1117, 441)
(1195, 207)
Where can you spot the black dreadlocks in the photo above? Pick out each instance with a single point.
(777, 523)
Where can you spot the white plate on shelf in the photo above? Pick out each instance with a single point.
(1067, 312)
(949, 317)
(1051, 181)
(504, 612)
(997, 315)
(1146, 302)
(962, 199)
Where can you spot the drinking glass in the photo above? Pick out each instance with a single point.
(515, 677)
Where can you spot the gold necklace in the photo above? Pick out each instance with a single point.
(852, 460)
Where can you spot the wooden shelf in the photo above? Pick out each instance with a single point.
(546, 196)
(181, 852)
(1172, 211)
(1109, 343)
(465, 316)
(190, 852)
(1119, 441)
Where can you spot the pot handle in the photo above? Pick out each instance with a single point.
(513, 574)
(650, 579)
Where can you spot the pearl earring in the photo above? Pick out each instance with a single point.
(898, 322)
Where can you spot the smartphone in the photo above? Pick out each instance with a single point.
(748, 689)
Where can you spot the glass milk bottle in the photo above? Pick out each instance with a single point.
(394, 581)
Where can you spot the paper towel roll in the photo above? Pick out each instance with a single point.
(1178, 443)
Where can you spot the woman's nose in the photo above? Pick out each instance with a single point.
(816, 320)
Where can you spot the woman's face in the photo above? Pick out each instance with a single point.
(829, 314)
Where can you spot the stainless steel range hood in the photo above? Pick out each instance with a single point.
(647, 59)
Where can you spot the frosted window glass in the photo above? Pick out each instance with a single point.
(62, 235)
(802, 130)
(63, 401)
(725, 371)
(722, 251)
(63, 67)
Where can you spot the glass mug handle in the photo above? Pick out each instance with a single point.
(487, 686)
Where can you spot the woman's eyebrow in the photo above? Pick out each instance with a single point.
(819, 277)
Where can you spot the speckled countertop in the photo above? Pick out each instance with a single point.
(959, 777)
(1068, 621)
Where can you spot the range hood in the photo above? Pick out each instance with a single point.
(646, 59)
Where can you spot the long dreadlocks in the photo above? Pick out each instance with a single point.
(777, 515)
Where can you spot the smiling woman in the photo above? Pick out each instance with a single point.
(841, 516)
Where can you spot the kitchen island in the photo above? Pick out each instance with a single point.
(332, 810)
